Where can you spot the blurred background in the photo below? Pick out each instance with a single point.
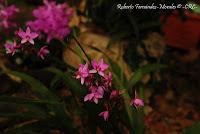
(130, 37)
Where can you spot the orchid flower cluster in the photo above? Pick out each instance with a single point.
(99, 85)
(2, 1)
(52, 19)
(27, 38)
(6, 15)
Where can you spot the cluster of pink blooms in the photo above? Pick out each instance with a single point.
(99, 83)
(27, 37)
(2, 1)
(52, 19)
(6, 16)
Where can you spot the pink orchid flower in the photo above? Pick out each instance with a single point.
(116, 93)
(7, 15)
(27, 36)
(1, 1)
(89, 80)
(96, 93)
(108, 79)
(137, 102)
(11, 48)
(43, 52)
(82, 73)
(99, 67)
(105, 115)
(52, 19)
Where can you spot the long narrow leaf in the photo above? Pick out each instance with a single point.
(25, 115)
(139, 73)
(36, 86)
(72, 83)
(19, 100)
(45, 94)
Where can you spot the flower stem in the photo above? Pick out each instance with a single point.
(6, 2)
(78, 43)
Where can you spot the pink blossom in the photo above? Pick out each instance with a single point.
(93, 88)
(137, 102)
(27, 36)
(89, 80)
(6, 15)
(2, 1)
(52, 19)
(115, 93)
(108, 79)
(11, 48)
(43, 52)
(96, 93)
(105, 115)
(99, 67)
(82, 73)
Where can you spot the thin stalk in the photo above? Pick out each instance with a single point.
(6, 2)
(63, 43)
(65, 46)
(79, 44)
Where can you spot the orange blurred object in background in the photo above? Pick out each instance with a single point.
(182, 34)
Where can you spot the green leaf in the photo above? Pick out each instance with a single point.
(71, 82)
(196, 9)
(81, 49)
(35, 106)
(118, 74)
(37, 127)
(139, 73)
(120, 81)
(25, 115)
(31, 111)
(59, 109)
(194, 129)
(19, 100)
(133, 115)
(56, 81)
(36, 86)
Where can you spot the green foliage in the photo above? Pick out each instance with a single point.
(71, 83)
(134, 116)
(139, 73)
(197, 7)
(194, 129)
(36, 86)
(51, 108)
(122, 83)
